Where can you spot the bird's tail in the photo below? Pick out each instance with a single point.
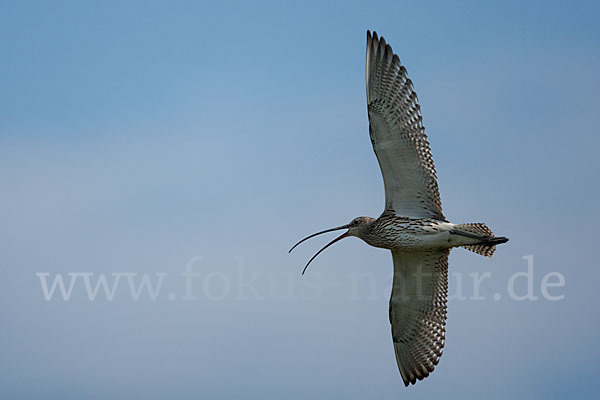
(480, 231)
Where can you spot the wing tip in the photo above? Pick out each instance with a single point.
(373, 37)
(411, 378)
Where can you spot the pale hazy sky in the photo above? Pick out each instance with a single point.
(137, 135)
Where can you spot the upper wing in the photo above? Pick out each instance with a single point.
(418, 311)
(398, 136)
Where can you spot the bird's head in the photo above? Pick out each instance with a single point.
(358, 227)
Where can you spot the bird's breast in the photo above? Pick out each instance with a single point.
(410, 234)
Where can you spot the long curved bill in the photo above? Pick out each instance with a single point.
(317, 234)
(326, 246)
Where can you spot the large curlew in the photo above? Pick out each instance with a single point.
(412, 225)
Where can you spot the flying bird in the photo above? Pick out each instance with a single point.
(412, 224)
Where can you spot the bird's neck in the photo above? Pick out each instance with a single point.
(368, 233)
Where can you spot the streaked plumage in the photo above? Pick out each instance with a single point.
(398, 136)
(412, 224)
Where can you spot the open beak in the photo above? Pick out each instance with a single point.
(326, 246)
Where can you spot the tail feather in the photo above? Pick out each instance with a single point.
(482, 249)
(488, 243)
(477, 229)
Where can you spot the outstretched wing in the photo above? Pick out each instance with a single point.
(398, 136)
(418, 311)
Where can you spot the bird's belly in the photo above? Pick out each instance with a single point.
(428, 237)
(425, 240)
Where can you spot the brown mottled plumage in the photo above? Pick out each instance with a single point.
(412, 224)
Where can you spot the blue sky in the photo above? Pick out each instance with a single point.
(135, 136)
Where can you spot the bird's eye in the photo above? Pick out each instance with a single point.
(355, 222)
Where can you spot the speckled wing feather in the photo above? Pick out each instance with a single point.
(418, 311)
(398, 135)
